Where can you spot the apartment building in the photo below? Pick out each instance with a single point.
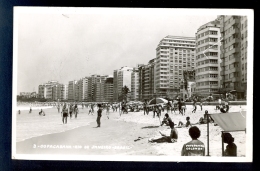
(45, 90)
(108, 89)
(135, 84)
(146, 81)
(208, 58)
(83, 89)
(73, 91)
(64, 92)
(122, 77)
(234, 54)
(174, 54)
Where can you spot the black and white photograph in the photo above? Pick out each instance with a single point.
(132, 84)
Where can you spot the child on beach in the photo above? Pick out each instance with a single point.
(231, 148)
(182, 125)
(167, 120)
(42, 113)
(170, 139)
(30, 111)
(195, 107)
(195, 147)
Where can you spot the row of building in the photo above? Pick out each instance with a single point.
(212, 61)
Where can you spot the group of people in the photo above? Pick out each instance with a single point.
(194, 147)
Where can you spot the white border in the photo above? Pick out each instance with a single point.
(147, 11)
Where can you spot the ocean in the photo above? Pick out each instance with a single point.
(30, 125)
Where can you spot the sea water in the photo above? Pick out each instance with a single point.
(32, 124)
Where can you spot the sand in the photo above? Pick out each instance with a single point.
(127, 134)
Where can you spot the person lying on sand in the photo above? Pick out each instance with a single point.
(170, 139)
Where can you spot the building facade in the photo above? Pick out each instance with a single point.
(135, 84)
(45, 90)
(208, 58)
(108, 89)
(72, 90)
(64, 92)
(146, 81)
(83, 89)
(234, 54)
(173, 55)
(122, 77)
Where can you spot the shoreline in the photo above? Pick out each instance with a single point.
(125, 135)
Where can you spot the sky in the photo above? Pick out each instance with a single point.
(65, 45)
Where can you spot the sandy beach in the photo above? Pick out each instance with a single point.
(127, 134)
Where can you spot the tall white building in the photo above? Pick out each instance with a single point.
(174, 55)
(45, 90)
(135, 84)
(72, 91)
(122, 77)
(208, 58)
(108, 89)
(64, 92)
(83, 89)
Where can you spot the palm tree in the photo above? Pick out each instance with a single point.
(125, 91)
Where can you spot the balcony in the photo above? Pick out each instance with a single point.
(233, 70)
(221, 29)
(222, 64)
(235, 79)
(234, 21)
(222, 55)
(233, 60)
(235, 50)
(236, 30)
(222, 73)
(235, 40)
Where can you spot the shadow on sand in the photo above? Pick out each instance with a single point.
(150, 127)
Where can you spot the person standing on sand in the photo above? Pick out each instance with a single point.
(195, 107)
(107, 113)
(71, 110)
(195, 147)
(179, 106)
(64, 113)
(76, 110)
(183, 107)
(99, 114)
(200, 103)
(58, 107)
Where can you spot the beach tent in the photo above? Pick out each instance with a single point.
(229, 122)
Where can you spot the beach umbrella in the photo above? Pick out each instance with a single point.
(156, 101)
